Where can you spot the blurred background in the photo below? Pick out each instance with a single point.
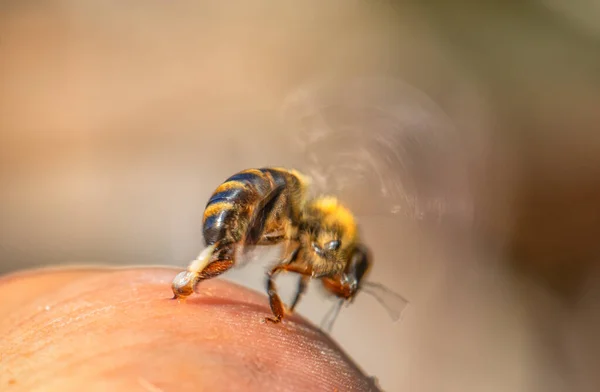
(118, 120)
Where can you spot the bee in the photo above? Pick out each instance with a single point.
(378, 144)
(269, 206)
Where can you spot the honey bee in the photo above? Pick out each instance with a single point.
(378, 144)
(269, 206)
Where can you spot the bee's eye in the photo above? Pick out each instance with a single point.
(333, 245)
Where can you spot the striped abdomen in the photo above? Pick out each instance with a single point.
(233, 203)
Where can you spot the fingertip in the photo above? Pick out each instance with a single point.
(132, 314)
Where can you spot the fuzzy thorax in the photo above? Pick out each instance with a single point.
(334, 214)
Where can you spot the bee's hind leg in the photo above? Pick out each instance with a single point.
(214, 269)
(207, 265)
(222, 261)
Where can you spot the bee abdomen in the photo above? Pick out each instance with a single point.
(219, 221)
(229, 209)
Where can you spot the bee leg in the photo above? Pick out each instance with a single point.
(302, 284)
(215, 268)
(342, 286)
(222, 261)
(274, 300)
(290, 255)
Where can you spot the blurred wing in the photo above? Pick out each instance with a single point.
(261, 212)
(249, 251)
(394, 303)
(379, 145)
(264, 255)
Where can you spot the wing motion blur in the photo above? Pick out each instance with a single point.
(379, 145)
(383, 148)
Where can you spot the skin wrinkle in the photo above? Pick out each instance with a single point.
(218, 329)
(27, 292)
(59, 324)
(66, 332)
(314, 344)
(68, 366)
(68, 301)
(79, 292)
(64, 358)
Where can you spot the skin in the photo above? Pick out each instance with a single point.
(119, 330)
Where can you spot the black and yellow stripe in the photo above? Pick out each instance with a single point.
(228, 210)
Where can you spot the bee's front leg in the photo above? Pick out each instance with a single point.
(342, 286)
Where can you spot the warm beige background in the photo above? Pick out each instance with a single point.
(117, 121)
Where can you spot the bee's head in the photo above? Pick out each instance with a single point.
(329, 236)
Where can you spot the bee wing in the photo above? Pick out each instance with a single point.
(249, 251)
(378, 144)
(394, 303)
(261, 212)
